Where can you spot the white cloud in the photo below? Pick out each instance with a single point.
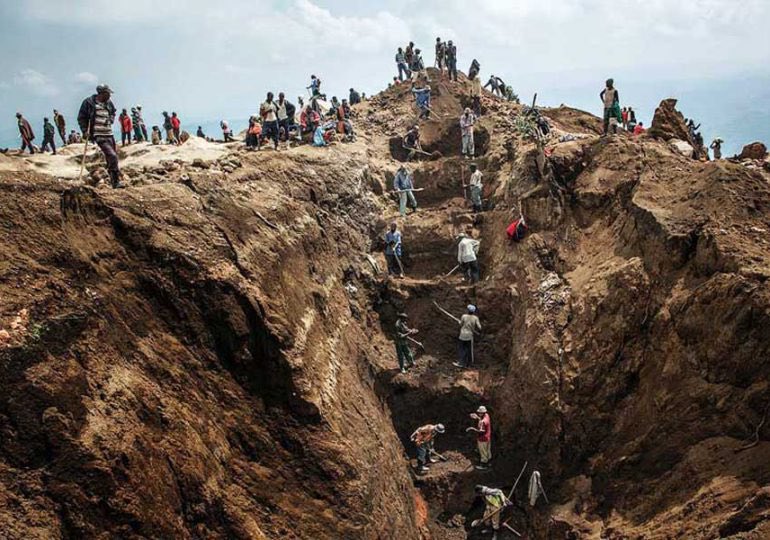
(85, 77)
(35, 82)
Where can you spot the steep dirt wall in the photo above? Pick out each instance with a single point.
(187, 371)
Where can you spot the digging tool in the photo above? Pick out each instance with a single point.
(516, 483)
(418, 150)
(398, 259)
(85, 150)
(452, 271)
(514, 531)
(445, 312)
(442, 458)
(416, 342)
(405, 190)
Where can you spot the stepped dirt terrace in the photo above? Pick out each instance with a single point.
(209, 352)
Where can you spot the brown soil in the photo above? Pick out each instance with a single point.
(172, 366)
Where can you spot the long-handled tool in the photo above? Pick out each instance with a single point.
(442, 458)
(405, 190)
(416, 342)
(514, 531)
(445, 312)
(452, 271)
(85, 149)
(493, 514)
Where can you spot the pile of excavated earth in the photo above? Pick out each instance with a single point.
(208, 353)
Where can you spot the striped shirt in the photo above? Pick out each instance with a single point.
(102, 124)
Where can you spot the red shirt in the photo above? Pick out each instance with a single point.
(485, 429)
(638, 130)
(175, 123)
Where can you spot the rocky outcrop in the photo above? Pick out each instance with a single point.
(755, 150)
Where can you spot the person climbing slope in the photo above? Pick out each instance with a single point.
(61, 125)
(422, 99)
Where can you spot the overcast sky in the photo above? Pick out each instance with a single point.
(217, 58)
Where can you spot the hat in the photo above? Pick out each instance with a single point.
(440, 428)
(471, 308)
(467, 110)
(403, 315)
(481, 409)
(104, 88)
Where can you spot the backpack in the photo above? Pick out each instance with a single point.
(517, 230)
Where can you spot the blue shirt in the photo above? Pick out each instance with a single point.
(422, 96)
(402, 181)
(395, 238)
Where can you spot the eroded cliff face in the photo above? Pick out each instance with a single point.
(208, 354)
(189, 371)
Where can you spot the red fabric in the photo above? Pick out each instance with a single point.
(126, 124)
(175, 123)
(485, 427)
(638, 130)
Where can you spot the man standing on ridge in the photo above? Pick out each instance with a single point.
(451, 60)
(125, 127)
(136, 120)
(611, 100)
(403, 352)
(269, 113)
(403, 185)
(286, 112)
(467, 121)
(440, 55)
(484, 437)
(403, 67)
(49, 132)
(168, 127)
(95, 118)
(354, 98)
(61, 125)
(176, 125)
(26, 133)
(142, 125)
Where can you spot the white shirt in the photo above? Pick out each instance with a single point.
(476, 179)
(467, 249)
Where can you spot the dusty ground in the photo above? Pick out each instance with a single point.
(208, 353)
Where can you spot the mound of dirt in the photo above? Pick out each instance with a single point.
(209, 352)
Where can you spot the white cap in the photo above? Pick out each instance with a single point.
(471, 308)
(481, 409)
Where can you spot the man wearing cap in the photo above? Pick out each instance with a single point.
(467, 121)
(423, 438)
(404, 353)
(403, 184)
(95, 118)
(494, 502)
(484, 438)
(467, 251)
(469, 325)
(393, 251)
